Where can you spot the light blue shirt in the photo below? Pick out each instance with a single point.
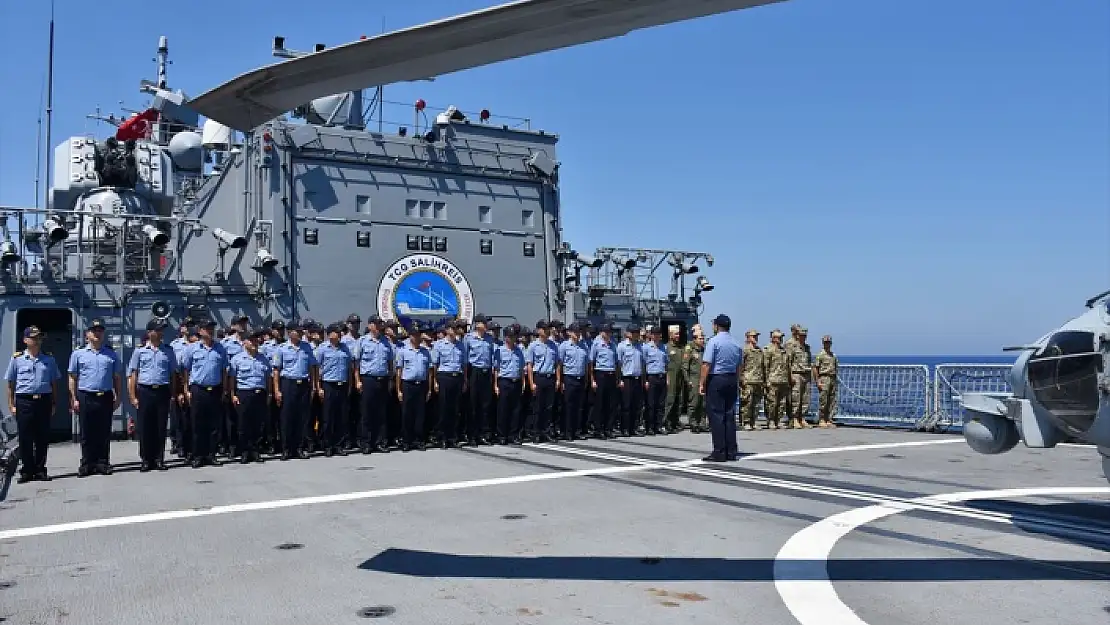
(414, 363)
(479, 350)
(335, 362)
(509, 363)
(352, 344)
(294, 361)
(631, 357)
(448, 356)
(722, 353)
(232, 346)
(250, 373)
(268, 348)
(655, 359)
(178, 345)
(602, 355)
(543, 356)
(155, 364)
(33, 376)
(206, 365)
(375, 355)
(572, 355)
(95, 368)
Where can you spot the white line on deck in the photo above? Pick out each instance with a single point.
(637, 465)
(801, 566)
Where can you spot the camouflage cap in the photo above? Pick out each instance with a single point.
(776, 332)
(794, 327)
(752, 332)
(803, 330)
(826, 339)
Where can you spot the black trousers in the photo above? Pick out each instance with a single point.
(354, 419)
(450, 389)
(414, 401)
(632, 403)
(206, 411)
(605, 401)
(543, 404)
(254, 408)
(154, 409)
(656, 401)
(509, 391)
(333, 415)
(32, 416)
(481, 399)
(296, 400)
(95, 419)
(720, 399)
(574, 395)
(229, 426)
(373, 425)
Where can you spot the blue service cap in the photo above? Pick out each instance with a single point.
(96, 324)
(723, 321)
(632, 327)
(206, 323)
(32, 332)
(277, 324)
(155, 324)
(605, 327)
(335, 327)
(574, 327)
(480, 318)
(259, 336)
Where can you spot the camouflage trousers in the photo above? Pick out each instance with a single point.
(677, 399)
(775, 401)
(826, 398)
(696, 416)
(750, 396)
(799, 396)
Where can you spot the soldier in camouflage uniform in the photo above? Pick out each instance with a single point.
(691, 363)
(800, 358)
(778, 379)
(787, 347)
(825, 369)
(753, 376)
(676, 384)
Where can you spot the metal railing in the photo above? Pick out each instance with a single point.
(952, 380)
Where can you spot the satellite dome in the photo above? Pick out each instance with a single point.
(186, 151)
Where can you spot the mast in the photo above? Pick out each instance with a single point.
(49, 105)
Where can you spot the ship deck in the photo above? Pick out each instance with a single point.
(812, 527)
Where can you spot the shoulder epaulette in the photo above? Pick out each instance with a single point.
(17, 354)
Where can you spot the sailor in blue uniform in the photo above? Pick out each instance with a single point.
(96, 389)
(572, 380)
(603, 380)
(586, 340)
(32, 397)
(374, 354)
(177, 420)
(336, 371)
(508, 367)
(350, 338)
(462, 420)
(479, 376)
(271, 429)
(720, 371)
(228, 427)
(413, 391)
(630, 356)
(296, 376)
(448, 360)
(249, 376)
(205, 365)
(152, 384)
(655, 365)
(541, 361)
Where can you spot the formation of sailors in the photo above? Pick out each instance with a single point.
(299, 388)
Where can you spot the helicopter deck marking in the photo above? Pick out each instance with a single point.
(801, 565)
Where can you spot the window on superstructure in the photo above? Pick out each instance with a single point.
(412, 209)
(440, 210)
(485, 246)
(362, 238)
(485, 214)
(362, 204)
(426, 210)
(527, 218)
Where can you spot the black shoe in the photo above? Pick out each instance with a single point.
(84, 471)
(196, 463)
(213, 462)
(286, 456)
(713, 458)
(339, 451)
(144, 467)
(258, 457)
(42, 476)
(105, 469)
(24, 478)
(301, 455)
(161, 466)
(329, 452)
(245, 459)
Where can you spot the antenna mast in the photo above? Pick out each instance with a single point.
(49, 104)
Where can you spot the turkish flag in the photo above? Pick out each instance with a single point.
(138, 127)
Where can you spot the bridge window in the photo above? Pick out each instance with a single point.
(440, 210)
(412, 243)
(412, 209)
(311, 236)
(529, 249)
(486, 246)
(485, 214)
(441, 244)
(362, 204)
(362, 238)
(527, 218)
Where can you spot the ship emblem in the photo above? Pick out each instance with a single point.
(425, 288)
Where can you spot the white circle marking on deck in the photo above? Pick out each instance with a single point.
(801, 571)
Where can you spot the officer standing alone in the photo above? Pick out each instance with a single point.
(32, 397)
(152, 384)
(95, 389)
(720, 371)
(249, 377)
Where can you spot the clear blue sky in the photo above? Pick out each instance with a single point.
(913, 177)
